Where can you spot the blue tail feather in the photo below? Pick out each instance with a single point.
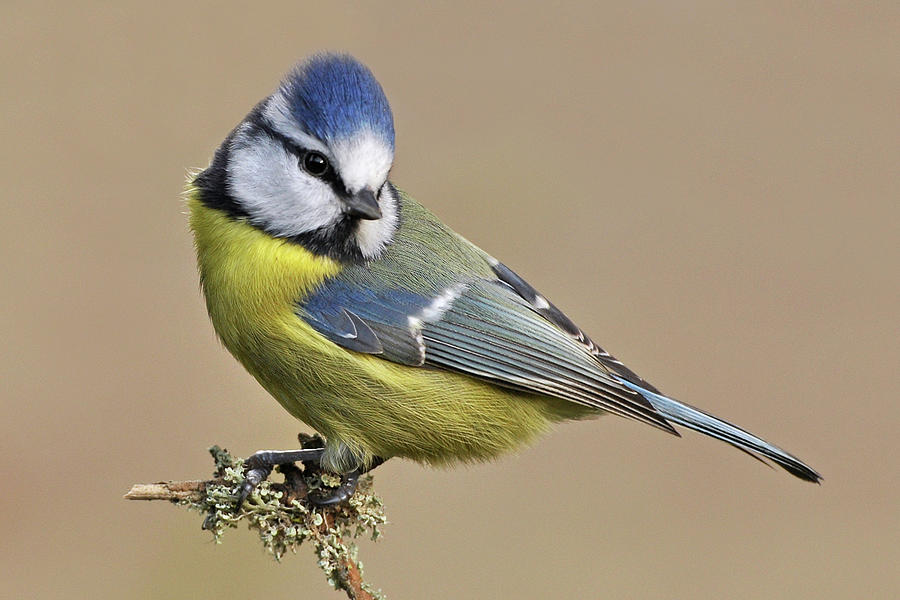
(694, 418)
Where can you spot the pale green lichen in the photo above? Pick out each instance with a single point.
(284, 520)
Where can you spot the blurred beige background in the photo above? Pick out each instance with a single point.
(711, 191)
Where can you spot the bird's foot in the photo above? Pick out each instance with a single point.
(259, 467)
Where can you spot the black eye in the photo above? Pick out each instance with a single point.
(315, 164)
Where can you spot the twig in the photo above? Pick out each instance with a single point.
(282, 515)
(191, 491)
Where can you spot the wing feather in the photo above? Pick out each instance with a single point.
(489, 327)
(481, 328)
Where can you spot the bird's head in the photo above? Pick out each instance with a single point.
(310, 163)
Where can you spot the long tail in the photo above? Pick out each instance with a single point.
(694, 418)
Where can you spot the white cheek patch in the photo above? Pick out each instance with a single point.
(373, 236)
(280, 197)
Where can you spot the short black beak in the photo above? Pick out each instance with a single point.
(363, 204)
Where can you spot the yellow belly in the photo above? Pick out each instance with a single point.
(252, 283)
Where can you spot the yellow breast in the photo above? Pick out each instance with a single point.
(252, 283)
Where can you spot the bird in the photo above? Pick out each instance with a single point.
(373, 322)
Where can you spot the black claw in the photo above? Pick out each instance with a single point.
(255, 476)
(343, 492)
(337, 495)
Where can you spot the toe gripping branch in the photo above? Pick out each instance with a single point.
(259, 467)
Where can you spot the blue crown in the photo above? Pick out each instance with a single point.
(333, 96)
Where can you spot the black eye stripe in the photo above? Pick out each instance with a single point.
(331, 177)
(285, 141)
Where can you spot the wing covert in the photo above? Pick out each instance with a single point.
(340, 311)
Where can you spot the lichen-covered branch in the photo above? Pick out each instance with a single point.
(282, 516)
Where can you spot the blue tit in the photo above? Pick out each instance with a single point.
(373, 322)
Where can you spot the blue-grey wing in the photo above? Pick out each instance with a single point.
(485, 328)
(492, 332)
(367, 321)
